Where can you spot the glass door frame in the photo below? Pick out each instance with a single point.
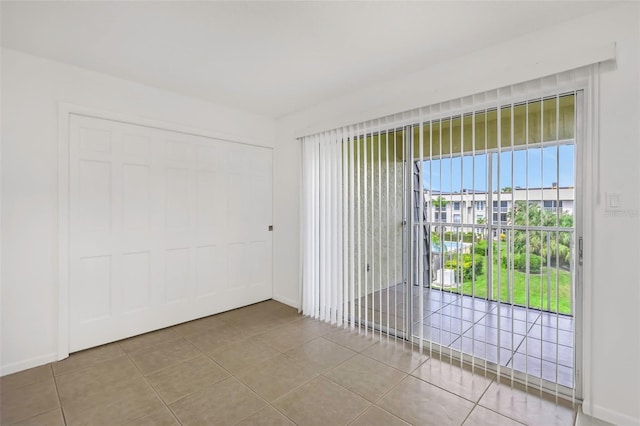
(409, 243)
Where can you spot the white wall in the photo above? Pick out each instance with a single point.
(32, 87)
(612, 343)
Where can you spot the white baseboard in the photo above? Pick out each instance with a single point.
(604, 414)
(583, 419)
(286, 301)
(36, 361)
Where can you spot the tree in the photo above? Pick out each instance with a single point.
(507, 189)
(440, 202)
(481, 221)
(552, 244)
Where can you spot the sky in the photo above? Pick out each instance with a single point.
(532, 168)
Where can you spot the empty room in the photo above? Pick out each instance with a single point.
(320, 213)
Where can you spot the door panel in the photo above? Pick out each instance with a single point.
(165, 227)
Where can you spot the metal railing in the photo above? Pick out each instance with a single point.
(530, 266)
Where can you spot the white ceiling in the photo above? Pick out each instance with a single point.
(270, 58)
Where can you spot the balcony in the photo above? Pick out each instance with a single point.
(510, 306)
(529, 341)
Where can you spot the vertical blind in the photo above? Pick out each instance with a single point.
(352, 224)
(391, 229)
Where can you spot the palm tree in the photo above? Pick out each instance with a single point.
(542, 243)
(440, 202)
(482, 221)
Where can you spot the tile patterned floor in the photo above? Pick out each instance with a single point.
(532, 341)
(264, 365)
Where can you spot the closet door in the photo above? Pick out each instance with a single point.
(165, 227)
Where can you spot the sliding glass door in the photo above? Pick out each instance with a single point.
(453, 228)
(493, 226)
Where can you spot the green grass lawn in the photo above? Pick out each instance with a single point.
(515, 290)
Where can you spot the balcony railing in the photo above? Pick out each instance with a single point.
(530, 266)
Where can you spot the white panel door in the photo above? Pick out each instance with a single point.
(165, 227)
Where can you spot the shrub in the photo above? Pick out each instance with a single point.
(481, 248)
(467, 269)
(435, 238)
(535, 263)
(468, 237)
(450, 236)
(519, 262)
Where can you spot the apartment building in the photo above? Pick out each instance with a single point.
(476, 207)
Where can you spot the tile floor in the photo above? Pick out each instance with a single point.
(540, 344)
(264, 365)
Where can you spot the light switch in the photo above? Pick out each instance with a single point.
(613, 200)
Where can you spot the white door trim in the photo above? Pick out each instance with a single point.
(64, 112)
